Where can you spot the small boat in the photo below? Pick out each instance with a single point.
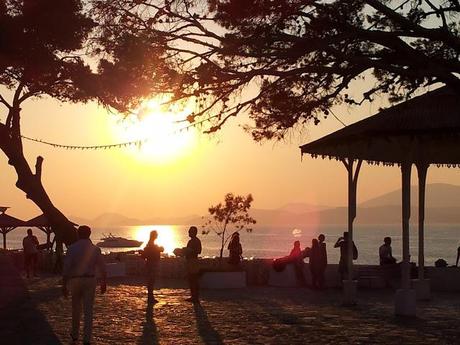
(112, 241)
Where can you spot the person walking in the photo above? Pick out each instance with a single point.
(80, 264)
(342, 243)
(30, 244)
(151, 255)
(192, 251)
(235, 250)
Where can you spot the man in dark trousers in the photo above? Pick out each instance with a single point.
(192, 251)
(151, 254)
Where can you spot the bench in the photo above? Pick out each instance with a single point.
(372, 277)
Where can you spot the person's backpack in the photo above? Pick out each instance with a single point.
(440, 263)
(355, 252)
(279, 265)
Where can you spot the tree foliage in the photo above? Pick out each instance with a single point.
(302, 56)
(55, 48)
(234, 212)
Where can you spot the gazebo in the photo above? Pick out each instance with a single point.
(422, 131)
(8, 223)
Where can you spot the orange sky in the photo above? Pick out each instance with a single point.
(89, 183)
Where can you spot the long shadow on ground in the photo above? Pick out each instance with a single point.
(21, 323)
(149, 331)
(207, 333)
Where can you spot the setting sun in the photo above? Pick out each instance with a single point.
(164, 138)
(166, 236)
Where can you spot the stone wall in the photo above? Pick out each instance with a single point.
(259, 272)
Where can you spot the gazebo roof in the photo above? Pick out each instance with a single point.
(40, 220)
(7, 221)
(425, 128)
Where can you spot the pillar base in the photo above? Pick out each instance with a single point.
(422, 289)
(405, 302)
(349, 292)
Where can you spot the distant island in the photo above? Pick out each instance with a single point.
(442, 206)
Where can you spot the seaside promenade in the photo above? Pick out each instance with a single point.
(33, 312)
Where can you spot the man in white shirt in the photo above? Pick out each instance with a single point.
(81, 261)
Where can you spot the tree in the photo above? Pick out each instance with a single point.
(233, 212)
(54, 48)
(300, 55)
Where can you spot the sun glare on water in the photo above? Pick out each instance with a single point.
(166, 139)
(166, 236)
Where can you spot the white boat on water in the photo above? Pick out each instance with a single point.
(112, 241)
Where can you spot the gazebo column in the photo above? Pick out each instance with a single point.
(421, 285)
(4, 238)
(405, 304)
(349, 285)
(48, 232)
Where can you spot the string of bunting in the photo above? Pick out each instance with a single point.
(125, 144)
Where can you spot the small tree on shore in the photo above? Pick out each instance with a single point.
(234, 211)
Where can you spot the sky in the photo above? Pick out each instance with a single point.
(184, 179)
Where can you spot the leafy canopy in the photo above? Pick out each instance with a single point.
(300, 56)
(56, 48)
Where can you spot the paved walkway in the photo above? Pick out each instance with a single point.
(246, 316)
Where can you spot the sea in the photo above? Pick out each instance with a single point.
(441, 240)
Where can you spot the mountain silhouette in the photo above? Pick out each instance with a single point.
(437, 195)
(442, 206)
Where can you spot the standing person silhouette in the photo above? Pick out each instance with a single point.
(314, 263)
(342, 243)
(151, 255)
(296, 251)
(322, 260)
(80, 264)
(30, 245)
(458, 256)
(296, 258)
(192, 251)
(235, 250)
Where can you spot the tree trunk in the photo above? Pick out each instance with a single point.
(222, 245)
(4, 240)
(30, 183)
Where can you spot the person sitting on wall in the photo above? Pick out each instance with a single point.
(385, 253)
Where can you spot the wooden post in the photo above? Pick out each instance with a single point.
(352, 188)
(406, 173)
(405, 301)
(422, 169)
(349, 285)
(48, 239)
